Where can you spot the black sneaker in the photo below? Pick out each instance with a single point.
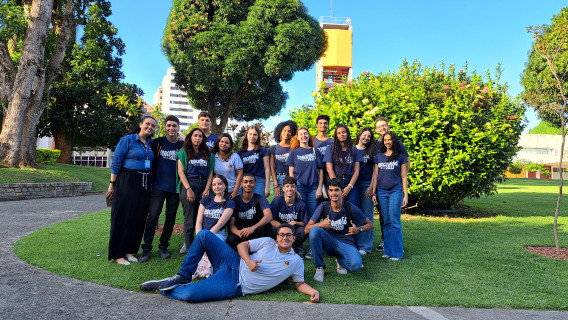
(309, 255)
(300, 252)
(381, 246)
(164, 254)
(152, 285)
(145, 256)
(173, 282)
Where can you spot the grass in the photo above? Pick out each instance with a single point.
(58, 173)
(457, 262)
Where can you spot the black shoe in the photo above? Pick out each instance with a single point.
(164, 254)
(152, 285)
(145, 256)
(381, 246)
(300, 252)
(309, 255)
(173, 282)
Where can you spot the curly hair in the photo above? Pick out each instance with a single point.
(370, 147)
(295, 143)
(215, 149)
(278, 130)
(396, 147)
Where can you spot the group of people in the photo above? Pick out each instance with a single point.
(325, 190)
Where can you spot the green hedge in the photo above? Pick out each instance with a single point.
(47, 156)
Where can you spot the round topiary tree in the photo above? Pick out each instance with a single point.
(461, 129)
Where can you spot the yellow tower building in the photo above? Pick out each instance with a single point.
(336, 64)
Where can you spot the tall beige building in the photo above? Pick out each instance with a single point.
(174, 101)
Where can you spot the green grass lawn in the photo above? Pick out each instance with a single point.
(460, 262)
(58, 173)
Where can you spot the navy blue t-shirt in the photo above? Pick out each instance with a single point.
(339, 224)
(165, 164)
(214, 211)
(280, 156)
(197, 167)
(404, 152)
(305, 165)
(253, 161)
(210, 142)
(328, 158)
(389, 172)
(246, 214)
(323, 146)
(284, 213)
(365, 166)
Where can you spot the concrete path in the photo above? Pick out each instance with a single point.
(27, 292)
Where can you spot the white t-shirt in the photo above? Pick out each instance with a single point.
(274, 268)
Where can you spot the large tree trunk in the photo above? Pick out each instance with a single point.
(25, 101)
(64, 143)
(32, 83)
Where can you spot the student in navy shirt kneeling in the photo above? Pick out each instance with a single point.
(332, 229)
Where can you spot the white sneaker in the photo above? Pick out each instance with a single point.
(320, 271)
(394, 259)
(340, 269)
(183, 249)
(362, 252)
(132, 259)
(385, 256)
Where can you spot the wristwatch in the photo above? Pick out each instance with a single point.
(360, 229)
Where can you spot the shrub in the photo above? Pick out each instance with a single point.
(461, 129)
(47, 156)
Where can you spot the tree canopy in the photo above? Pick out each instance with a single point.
(461, 129)
(540, 85)
(230, 55)
(545, 127)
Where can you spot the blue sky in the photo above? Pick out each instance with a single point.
(481, 32)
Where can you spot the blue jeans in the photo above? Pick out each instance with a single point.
(222, 285)
(391, 203)
(365, 239)
(260, 184)
(309, 196)
(280, 179)
(323, 242)
(353, 195)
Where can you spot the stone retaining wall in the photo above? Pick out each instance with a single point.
(21, 191)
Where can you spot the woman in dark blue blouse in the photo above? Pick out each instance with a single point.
(194, 173)
(256, 160)
(365, 149)
(279, 153)
(131, 165)
(216, 210)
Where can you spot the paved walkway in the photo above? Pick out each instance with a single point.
(27, 292)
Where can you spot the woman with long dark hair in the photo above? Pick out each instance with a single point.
(342, 162)
(305, 164)
(392, 193)
(279, 153)
(228, 164)
(216, 210)
(365, 149)
(256, 160)
(129, 189)
(195, 170)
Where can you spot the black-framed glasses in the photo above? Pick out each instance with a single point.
(286, 235)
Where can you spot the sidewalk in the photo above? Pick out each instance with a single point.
(27, 292)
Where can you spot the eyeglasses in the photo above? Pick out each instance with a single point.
(285, 235)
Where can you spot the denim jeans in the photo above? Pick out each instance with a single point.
(222, 285)
(190, 208)
(280, 179)
(353, 195)
(260, 184)
(309, 196)
(157, 198)
(391, 203)
(365, 239)
(323, 242)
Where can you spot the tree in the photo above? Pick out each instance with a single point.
(26, 76)
(460, 129)
(546, 85)
(230, 55)
(77, 115)
(545, 127)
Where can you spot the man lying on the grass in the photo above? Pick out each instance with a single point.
(236, 274)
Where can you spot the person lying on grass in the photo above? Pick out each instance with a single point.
(271, 262)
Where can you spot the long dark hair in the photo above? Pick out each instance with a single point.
(202, 150)
(339, 161)
(370, 147)
(215, 149)
(244, 145)
(396, 147)
(278, 130)
(226, 192)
